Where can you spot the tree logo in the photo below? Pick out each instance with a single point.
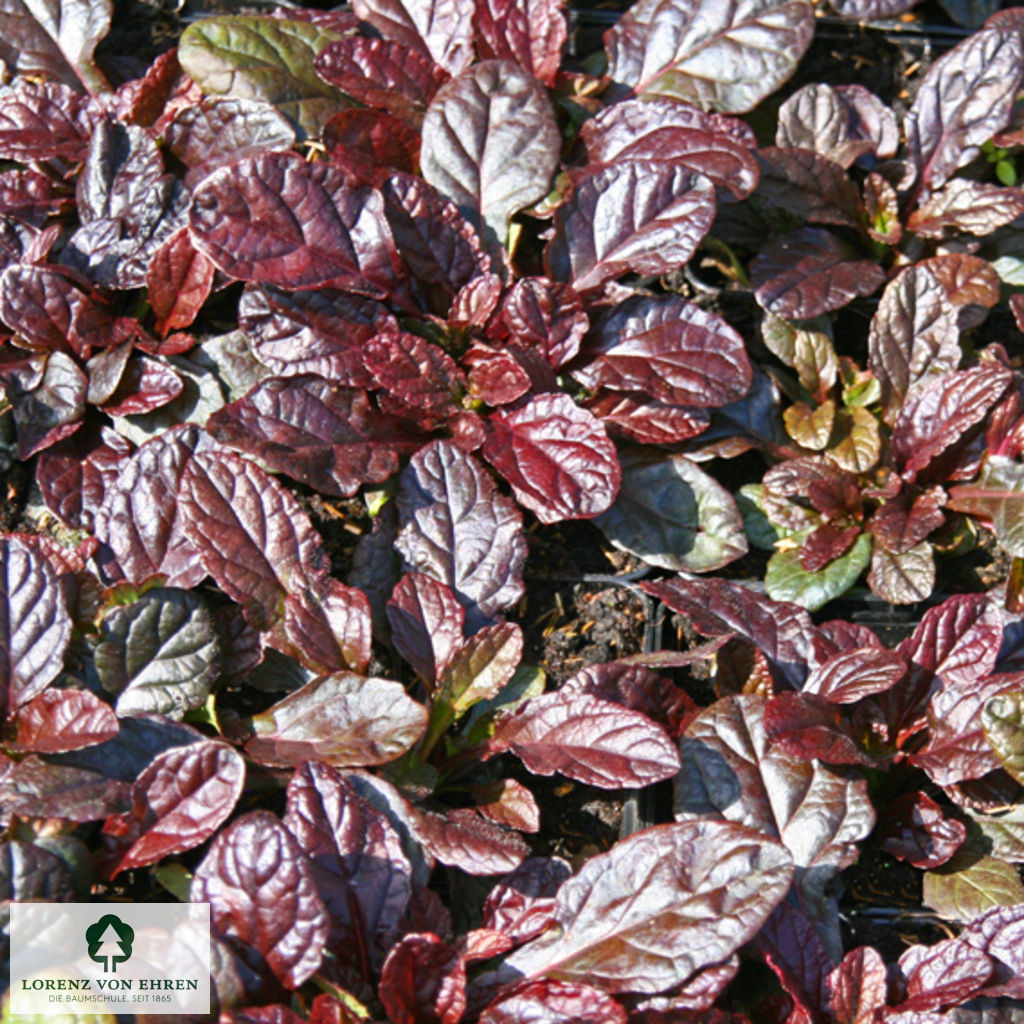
(110, 942)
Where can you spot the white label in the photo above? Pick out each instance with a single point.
(110, 958)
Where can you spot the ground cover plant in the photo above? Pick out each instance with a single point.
(416, 266)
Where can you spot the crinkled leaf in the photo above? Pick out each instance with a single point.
(913, 333)
(808, 185)
(556, 455)
(323, 331)
(849, 675)
(945, 974)
(660, 906)
(969, 206)
(314, 431)
(906, 520)
(35, 627)
(421, 379)
(522, 904)
(636, 216)
(971, 284)
(178, 802)
(60, 720)
(269, 59)
(457, 528)
(806, 726)
(327, 627)
(423, 981)
(808, 349)
(731, 771)
(669, 348)
(55, 39)
(462, 838)
(40, 120)
(490, 143)
(939, 412)
(260, 888)
(727, 58)
(369, 145)
(914, 829)
(1002, 718)
(342, 719)
(905, 577)
(35, 787)
(439, 29)
(673, 515)
(551, 1002)
(383, 74)
(510, 803)
(481, 667)
(636, 417)
(809, 272)
(529, 32)
(997, 498)
(858, 986)
(659, 128)
(178, 282)
(781, 631)
(787, 580)
(159, 654)
(360, 871)
(249, 218)
(426, 623)
(546, 317)
(31, 197)
(964, 99)
(965, 887)
(251, 535)
(588, 739)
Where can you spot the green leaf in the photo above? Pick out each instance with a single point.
(482, 667)
(1002, 718)
(786, 580)
(268, 59)
(961, 890)
(671, 514)
(760, 530)
(997, 497)
(1003, 833)
(528, 681)
(159, 655)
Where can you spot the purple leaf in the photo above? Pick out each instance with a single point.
(35, 788)
(969, 206)
(658, 907)
(251, 535)
(669, 348)
(383, 74)
(938, 414)
(522, 905)
(490, 143)
(857, 987)
(727, 59)
(243, 217)
(319, 332)
(733, 773)
(636, 417)
(341, 719)
(40, 120)
(458, 529)
(546, 317)
(995, 498)
(62, 720)
(55, 39)
(964, 99)
(809, 272)
(314, 431)
(588, 739)
(220, 131)
(426, 624)
(809, 185)
(423, 382)
(178, 282)
(842, 123)
(529, 32)
(914, 829)
(553, 1002)
(370, 145)
(781, 631)
(140, 519)
(849, 675)
(261, 891)
(35, 627)
(462, 838)
(360, 871)
(905, 521)
(805, 726)
(904, 578)
(638, 216)
(869, 10)
(423, 981)
(439, 29)
(970, 283)
(946, 974)
(327, 627)
(720, 148)
(673, 515)
(913, 333)
(159, 654)
(31, 197)
(481, 667)
(263, 58)
(178, 802)
(556, 455)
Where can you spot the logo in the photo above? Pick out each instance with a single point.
(110, 942)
